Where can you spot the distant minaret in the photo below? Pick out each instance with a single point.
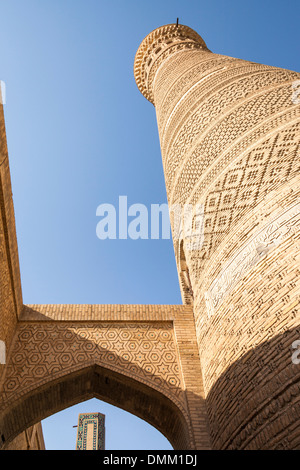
(91, 431)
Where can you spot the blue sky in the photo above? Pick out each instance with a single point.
(80, 134)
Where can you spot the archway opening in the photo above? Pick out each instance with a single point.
(123, 430)
(110, 386)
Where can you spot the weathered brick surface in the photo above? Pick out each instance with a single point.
(229, 135)
(216, 371)
(146, 357)
(31, 439)
(137, 357)
(10, 284)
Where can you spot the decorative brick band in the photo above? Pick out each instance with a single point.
(156, 47)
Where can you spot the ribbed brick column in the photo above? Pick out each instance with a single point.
(229, 135)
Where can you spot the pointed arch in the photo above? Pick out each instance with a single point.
(102, 383)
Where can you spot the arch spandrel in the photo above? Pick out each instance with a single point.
(53, 364)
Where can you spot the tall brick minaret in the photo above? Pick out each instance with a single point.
(229, 135)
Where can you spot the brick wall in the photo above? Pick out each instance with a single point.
(229, 136)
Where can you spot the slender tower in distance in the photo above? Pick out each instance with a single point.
(90, 431)
(229, 136)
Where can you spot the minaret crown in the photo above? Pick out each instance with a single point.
(158, 45)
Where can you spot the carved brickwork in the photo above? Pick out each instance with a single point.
(218, 370)
(143, 359)
(229, 135)
(146, 349)
(157, 47)
(10, 284)
(145, 352)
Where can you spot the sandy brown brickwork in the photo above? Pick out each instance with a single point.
(229, 135)
(216, 371)
(31, 439)
(10, 284)
(142, 358)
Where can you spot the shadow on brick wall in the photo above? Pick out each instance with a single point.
(255, 404)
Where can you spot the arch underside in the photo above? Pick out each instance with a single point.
(136, 364)
(104, 384)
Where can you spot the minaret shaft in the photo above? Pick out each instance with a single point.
(229, 135)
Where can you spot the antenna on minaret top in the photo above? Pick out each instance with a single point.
(177, 22)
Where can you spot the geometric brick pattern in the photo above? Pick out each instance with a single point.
(142, 358)
(230, 140)
(216, 371)
(150, 351)
(145, 351)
